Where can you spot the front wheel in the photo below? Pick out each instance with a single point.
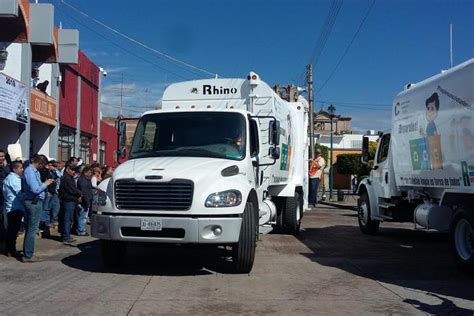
(243, 253)
(366, 224)
(462, 239)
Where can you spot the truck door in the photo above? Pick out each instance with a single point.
(381, 176)
(254, 154)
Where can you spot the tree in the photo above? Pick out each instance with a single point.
(351, 163)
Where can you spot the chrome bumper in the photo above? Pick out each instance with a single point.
(205, 230)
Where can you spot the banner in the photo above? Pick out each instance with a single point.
(13, 105)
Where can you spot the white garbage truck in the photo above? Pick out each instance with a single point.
(424, 168)
(221, 161)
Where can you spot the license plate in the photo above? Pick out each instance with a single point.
(150, 224)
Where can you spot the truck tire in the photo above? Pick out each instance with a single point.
(113, 253)
(366, 224)
(462, 239)
(243, 253)
(292, 214)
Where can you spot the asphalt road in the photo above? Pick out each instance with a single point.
(329, 269)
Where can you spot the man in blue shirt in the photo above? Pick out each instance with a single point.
(13, 206)
(34, 195)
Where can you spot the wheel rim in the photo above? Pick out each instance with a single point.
(464, 239)
(363, 213)
(298, 213)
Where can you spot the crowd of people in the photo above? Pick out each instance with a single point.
(40, 195)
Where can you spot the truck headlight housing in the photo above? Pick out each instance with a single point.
(99, 200)
(227, 198)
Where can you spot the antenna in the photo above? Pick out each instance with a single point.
(451, 44)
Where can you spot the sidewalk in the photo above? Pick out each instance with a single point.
(349, 202)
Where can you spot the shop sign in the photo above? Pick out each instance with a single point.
(13, 99)
(43, 107)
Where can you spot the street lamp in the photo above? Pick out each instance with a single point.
(102, 72)
(332, 112)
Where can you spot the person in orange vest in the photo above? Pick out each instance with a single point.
(315, 174)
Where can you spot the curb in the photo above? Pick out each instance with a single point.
(347, 207)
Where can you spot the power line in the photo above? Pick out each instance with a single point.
(121, 47)
(326, 31)
(348, 46)
(163, 55)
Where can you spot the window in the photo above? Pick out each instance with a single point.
(85, 149)
(66, 143)
(102, 153)
(196, 134)
(254, 144)
(383, 148)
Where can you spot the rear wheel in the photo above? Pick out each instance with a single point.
(243, 253)
(292, 213)
(366, 224)
(462, 239)
(113, 253)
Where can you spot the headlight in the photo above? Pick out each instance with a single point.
(99, 199)
(224, 199)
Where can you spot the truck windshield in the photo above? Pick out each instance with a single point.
(196, 134)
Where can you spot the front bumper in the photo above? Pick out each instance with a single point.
(203, 230)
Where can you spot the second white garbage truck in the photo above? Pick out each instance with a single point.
(222, 160)
(424, 168)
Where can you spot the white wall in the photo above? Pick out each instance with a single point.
(13, 64)
(346, 141)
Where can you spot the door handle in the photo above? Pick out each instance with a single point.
(386, 177)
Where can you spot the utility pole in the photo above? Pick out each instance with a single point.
(451, 44)
(309, 79)
(121, 95)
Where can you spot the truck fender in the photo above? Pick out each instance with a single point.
(285, 190)
(366, 187)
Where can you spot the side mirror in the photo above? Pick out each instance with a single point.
(274, 132)
(365, 150)
(274, 152)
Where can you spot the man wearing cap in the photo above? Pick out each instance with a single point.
(315, 173)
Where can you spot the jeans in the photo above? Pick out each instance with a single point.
(67, 217)
(51, 206)
(14, 223)
(313, 191)
(32, 219)
(81, 217)
(46, 214)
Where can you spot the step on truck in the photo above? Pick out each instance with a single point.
(424, 168)
(221, 161)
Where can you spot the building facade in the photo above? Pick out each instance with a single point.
(49, 90)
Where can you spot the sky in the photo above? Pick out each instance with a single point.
(398, 42)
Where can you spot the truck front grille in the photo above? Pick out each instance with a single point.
(176, 195)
